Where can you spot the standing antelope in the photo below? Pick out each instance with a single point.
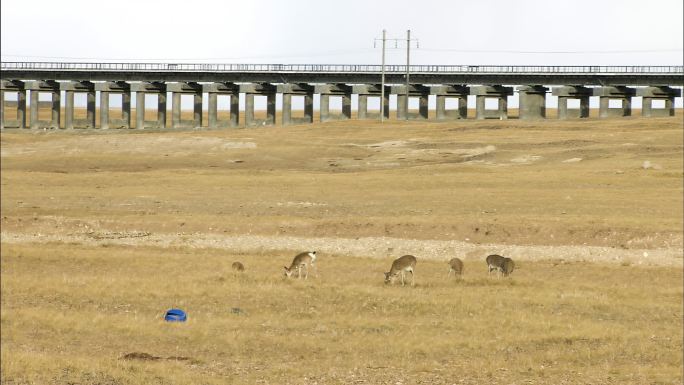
(301, 260)
(500, 264)
(456, 267)
(401, 265)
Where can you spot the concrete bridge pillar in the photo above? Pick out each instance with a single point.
(402, 106)
(287, 110)
(649, 94)
(621, 93)
(179, 89)
(324, 109)
(347, 105)
(328, 90)
(420, 91)
(501, 93)
(296, 89)
(366, 90)
(572, 92)
(249, 110)
(363, 107)
(142, 89)
(18, 87)
(270, 108)
(423, 106)
(459, 92)
(2, 108)
(532, 102)
(70, 89)
(45, 86)
(106, 89)
(216, 89)
(266, 89)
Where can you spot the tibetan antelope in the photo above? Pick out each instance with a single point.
(500, 264)
(508, 267)
(301, 261)
(238, 266)
(401, 266)
(456, 267)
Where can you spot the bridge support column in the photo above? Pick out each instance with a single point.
(417, 90)
(2, 108)
(141, 90)
(270, 108)
(423, 106)
(296, 89)
(649, 94)
(324, 109)
(106, 89)
(179, 89)
(347, 105)
(328, 90)
(572, 92)
(287, 110)
(501, 93)
(458, 92)
(45, 86)
(363, 107)
(367, 90)
(18, 87)
(606, 94)
(265, 89)
(402, 106)
(249, 110)
(308, 107)
(233, 91)
(532, 102)
(70, 89)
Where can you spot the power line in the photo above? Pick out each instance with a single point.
(408, 62)
(297, 55)
(548, 52)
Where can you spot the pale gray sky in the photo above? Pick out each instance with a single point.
(477, 32)
(575, 32)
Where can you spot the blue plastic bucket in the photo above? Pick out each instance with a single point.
(175, 315)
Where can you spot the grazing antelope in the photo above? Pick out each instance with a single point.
(401, 266)
(508, 267)
(456, 267)
(301, 260)
(238, 266)
(500, 264)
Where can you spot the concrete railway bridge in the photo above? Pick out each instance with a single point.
(456, 82)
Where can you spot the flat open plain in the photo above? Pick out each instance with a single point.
(102, 231)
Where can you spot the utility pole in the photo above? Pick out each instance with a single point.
(408, 62)
(382, 83)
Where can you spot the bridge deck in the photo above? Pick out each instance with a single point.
(346, 73)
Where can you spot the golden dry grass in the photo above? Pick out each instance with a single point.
(100, 236)
(71, 312)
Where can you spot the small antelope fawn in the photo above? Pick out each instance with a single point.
(238, 266)
(301, 261)
(456, 267)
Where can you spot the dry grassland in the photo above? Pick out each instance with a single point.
(102, 231)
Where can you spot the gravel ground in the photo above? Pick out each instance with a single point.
(374, 247)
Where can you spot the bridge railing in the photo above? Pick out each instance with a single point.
(337, 68)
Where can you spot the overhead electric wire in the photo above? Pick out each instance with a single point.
(548, 52)
(297, 55)
(334, 53)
